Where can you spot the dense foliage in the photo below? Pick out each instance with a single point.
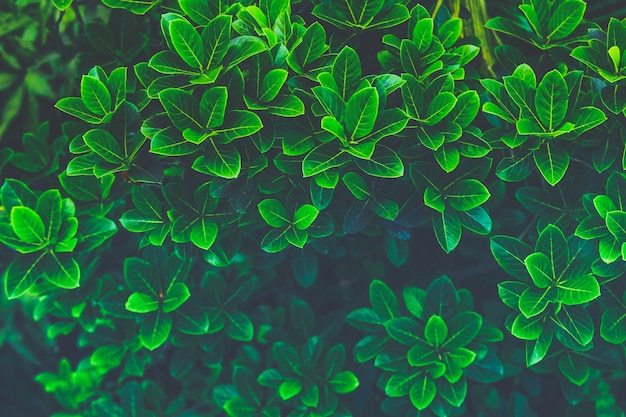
(328, 208)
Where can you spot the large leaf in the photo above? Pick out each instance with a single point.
(155, 329)
(95, 95)
(182, 108)
(436, 331)
(447, 227)
(187, 43)
(422, 392)
(552, 161)
(384, 163)
(565, 18)
(466, 194)
(346, 71)
(551, 100)
(216, 40)
(361, 112)
(22, 273)
(578, 290)
(383, 300)
(28, 225)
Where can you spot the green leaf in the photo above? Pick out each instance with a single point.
(305, 216)
(533, 301)
(272, 82)
(21, 274)
(239, 326)
(175, 296)
(551, 100)
(62, 270)
(135, 6)
(447, 227)
(357, 185)
(510, 254)
(274, 213)
(344, 382)
(510, 292)
(403, 330)
(448, 157)
(361, 112)
(527, 328)
(365, 319)
(537, 350)
(28, 225)
(216, 42)
(552, 162)
(204, 233)
(241, 123)
(141, 303)
(578, 290)
(322, 158)
(104, 145)
(182, 108)
(384, 163)
(312, 45)
(466, 194)
(383, 300)
(422, 392)
(155, 329)
(187, 43)
(574, 367)
(541, 269)
(95, 95)
(565, 19)
(289, 389)
(213, 106)
(346, 72)
(275, 240)
(586, 118)
(74, 106)
(462, 329)
(613, 326)
(616, 224)
(62, 4)
(576, 322)
(49, 206)
(440, 107)
(436, 331)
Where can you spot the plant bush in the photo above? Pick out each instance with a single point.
(327, 208)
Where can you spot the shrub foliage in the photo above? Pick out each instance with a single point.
(328, 208)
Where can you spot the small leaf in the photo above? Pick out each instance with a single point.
(435, 331)
(141, 303)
